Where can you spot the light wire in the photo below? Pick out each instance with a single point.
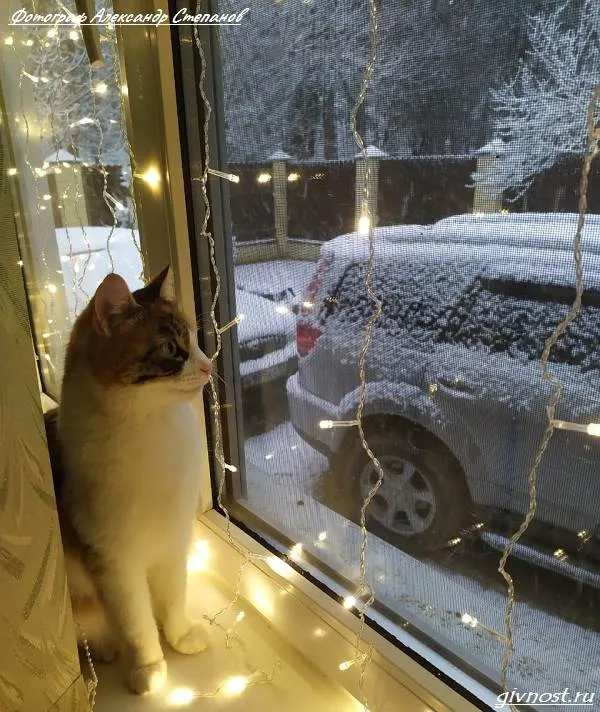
(593, 137)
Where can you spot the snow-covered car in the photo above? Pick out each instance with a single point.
(267, 350)
(281, 281)
(455, 405)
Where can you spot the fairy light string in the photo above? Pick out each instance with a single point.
(222, 466)
(593, 140)
(364, 587)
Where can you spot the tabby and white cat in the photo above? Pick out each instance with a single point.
(125, 450)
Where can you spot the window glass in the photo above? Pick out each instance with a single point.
(474, 123)
(71, 173)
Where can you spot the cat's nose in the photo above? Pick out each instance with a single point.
(206, 367)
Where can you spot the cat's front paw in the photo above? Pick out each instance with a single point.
(148, 678)
(192, 642)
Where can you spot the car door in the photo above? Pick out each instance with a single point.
(488, 378)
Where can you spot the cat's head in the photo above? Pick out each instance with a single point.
(141, 339)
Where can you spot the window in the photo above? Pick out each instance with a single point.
(474, 216)
(71, 174)
(474, 131)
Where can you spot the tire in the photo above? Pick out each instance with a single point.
(425, 518)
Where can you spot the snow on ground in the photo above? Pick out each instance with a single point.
(550, 653)
(282, 453)
(280, 280)
(85, 255)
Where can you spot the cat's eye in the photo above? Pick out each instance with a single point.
(169, 349)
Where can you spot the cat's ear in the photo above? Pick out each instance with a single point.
(112, 297)
(163, 286)
(167, 288)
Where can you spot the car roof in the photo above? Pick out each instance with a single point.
(532, 246)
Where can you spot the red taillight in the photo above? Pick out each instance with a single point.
(306, 337)
(307, 331)
(314, 285)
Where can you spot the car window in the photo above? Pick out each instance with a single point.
(516, 318)
(414, 297)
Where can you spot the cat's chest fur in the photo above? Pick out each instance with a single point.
(132, 473)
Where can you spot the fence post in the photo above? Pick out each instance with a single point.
(488, 188)
(373, 156)
(279, 159)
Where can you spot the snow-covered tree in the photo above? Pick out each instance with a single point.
(541, 113)
(292, 72)
(82, 106)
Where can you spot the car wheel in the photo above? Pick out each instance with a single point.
(423, 502)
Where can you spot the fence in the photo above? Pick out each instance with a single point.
(323, 199)
(287, 209)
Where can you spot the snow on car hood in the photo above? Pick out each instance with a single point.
(262, 318)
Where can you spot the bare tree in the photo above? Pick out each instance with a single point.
(541, 113)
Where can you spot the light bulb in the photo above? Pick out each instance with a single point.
(296, 551)
(11, 172)
(594, 429)
(349, 602)
(263, 178)
(363, 225)
(469, 620)
(152, 177)
(9, 40)
(279, 566)
(52, 288)
(181, 696)
(234, 686)
(293, 177)
(326, 424)
(46, 196)
(82, 122)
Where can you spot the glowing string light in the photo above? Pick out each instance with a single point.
(231, 177)
(230, 324)
(329, 424)
(588, 429)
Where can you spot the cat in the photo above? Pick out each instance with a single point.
(125, 454)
